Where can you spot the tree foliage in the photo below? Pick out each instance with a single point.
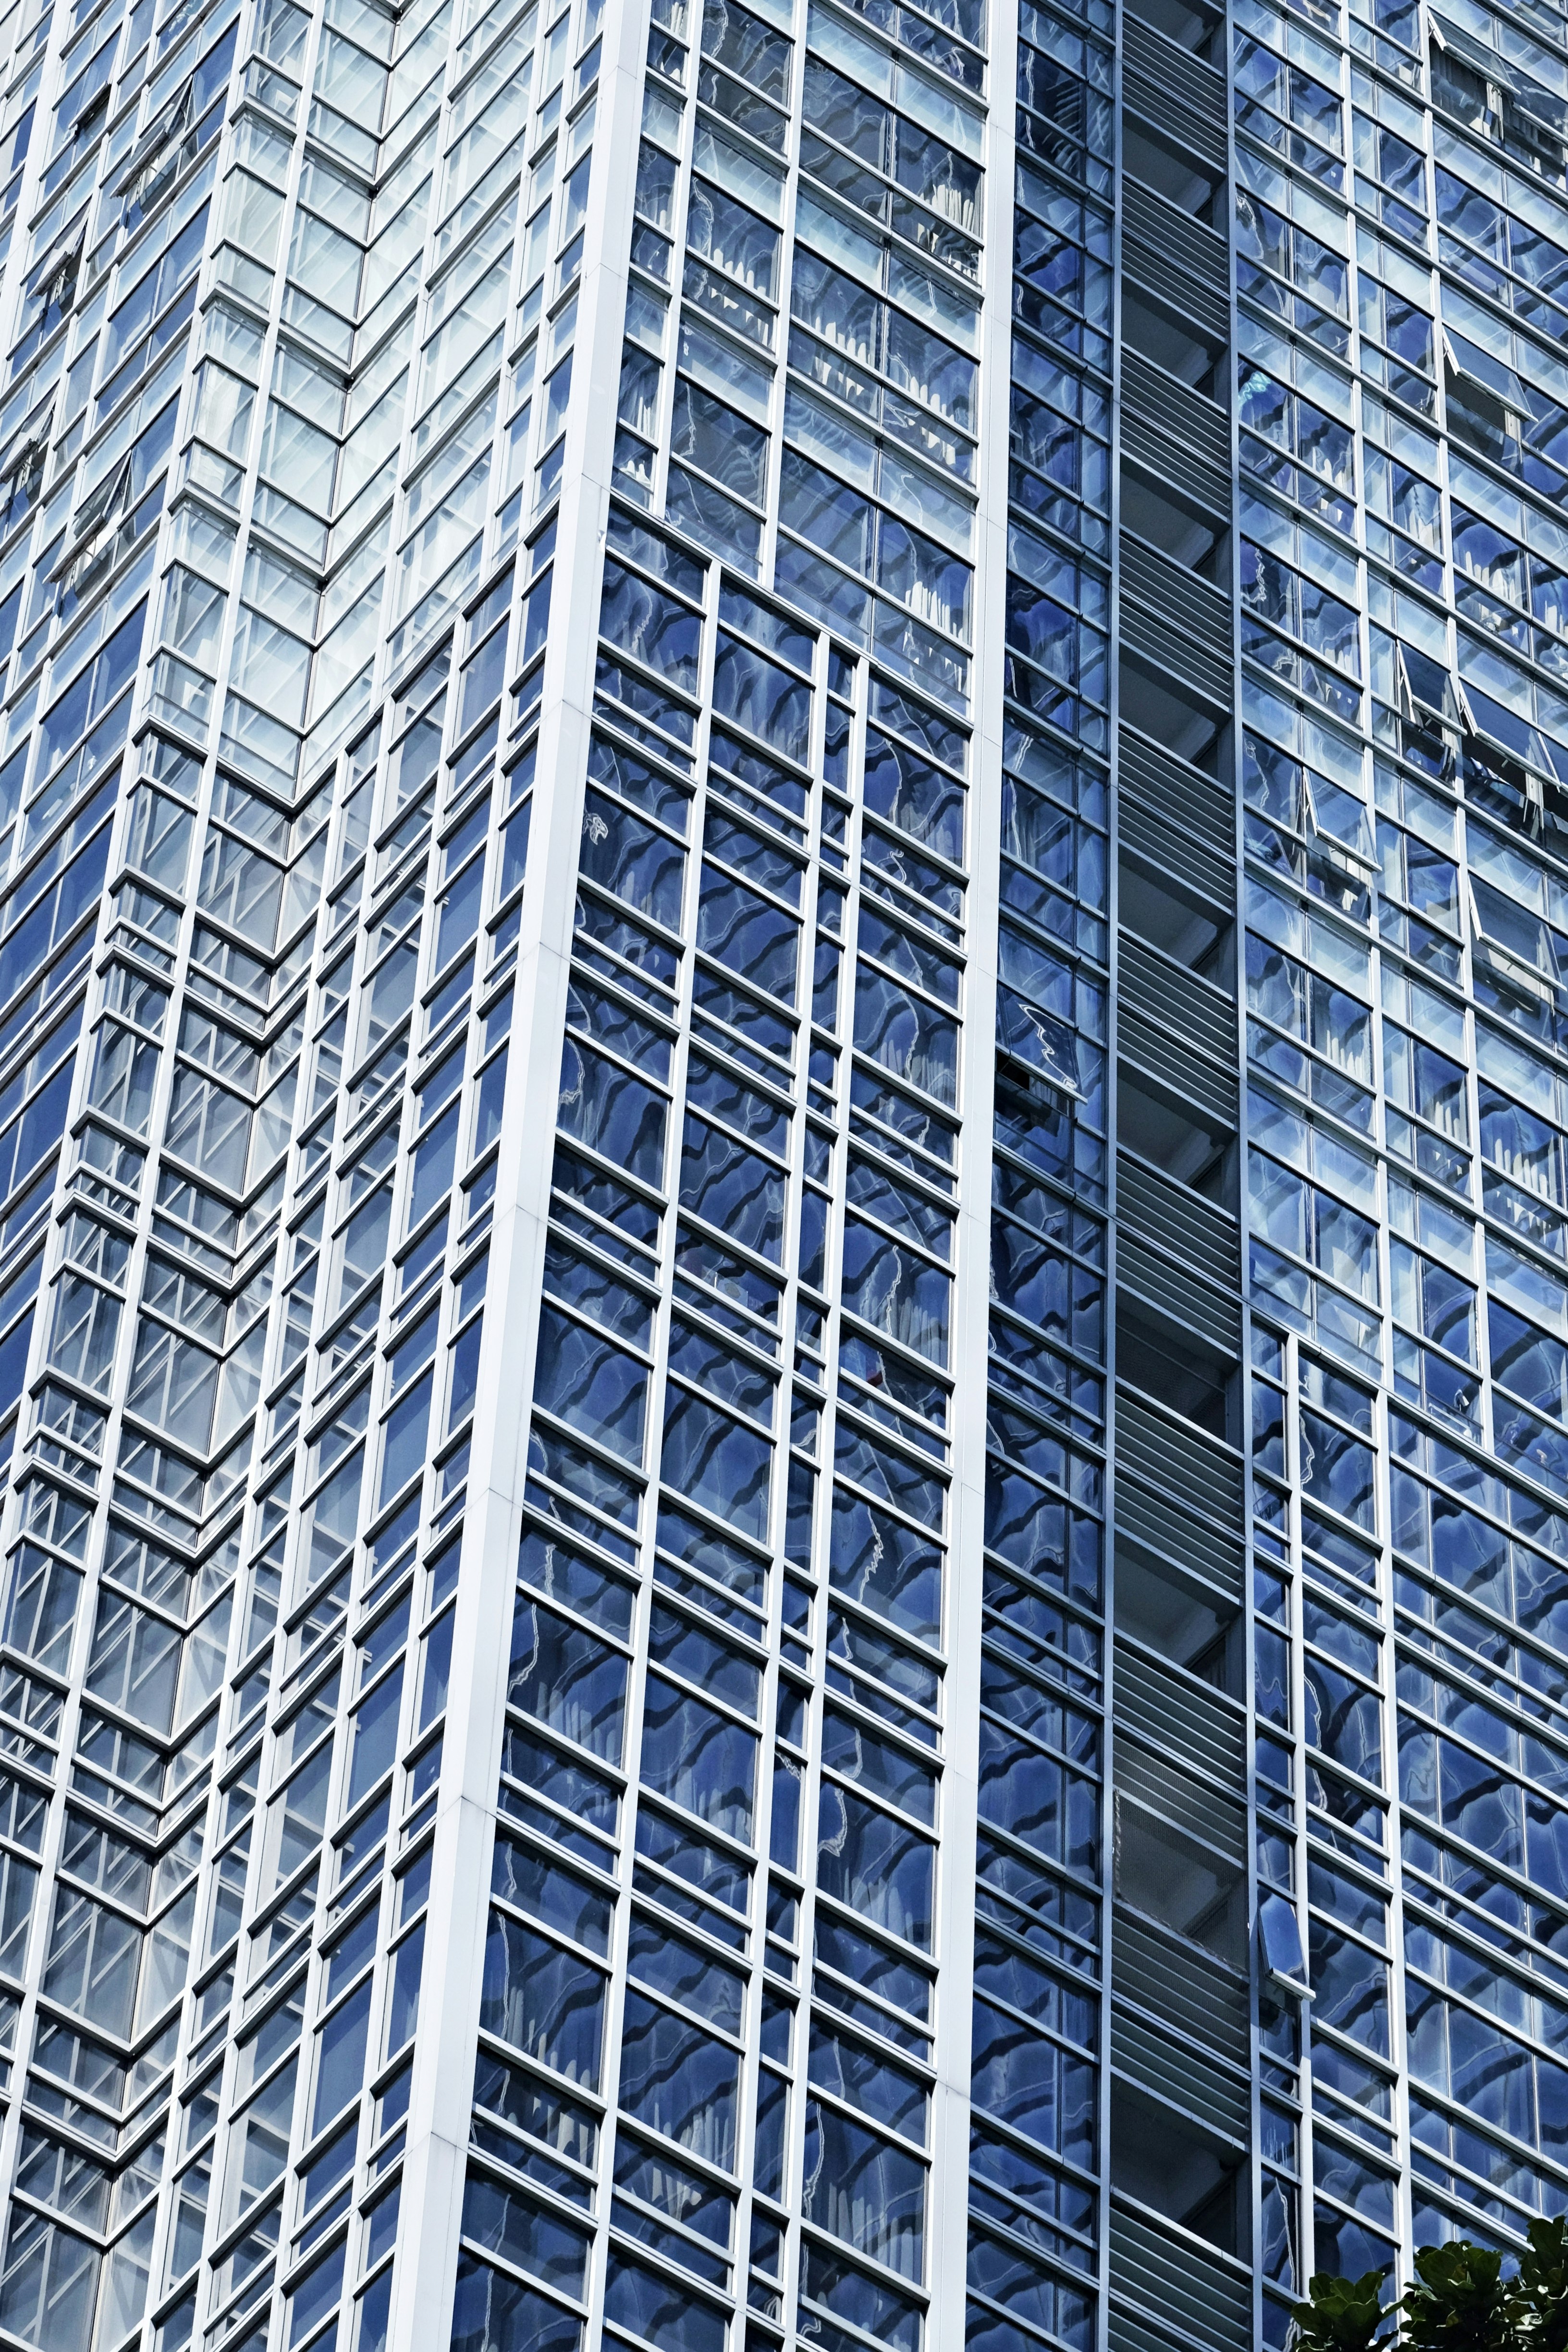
(1343, 2314)
(1541, 2290)
(1460, 2302)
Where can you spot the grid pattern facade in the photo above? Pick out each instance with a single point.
(784, 1349)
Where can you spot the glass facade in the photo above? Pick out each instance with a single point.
(783, 1167)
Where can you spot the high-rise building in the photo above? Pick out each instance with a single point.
(783, 1167)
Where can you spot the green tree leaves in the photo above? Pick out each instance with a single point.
(1343, 2314)
(1460, 2302)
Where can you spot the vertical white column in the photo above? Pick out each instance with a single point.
(443, 2067)
(966, 1571)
